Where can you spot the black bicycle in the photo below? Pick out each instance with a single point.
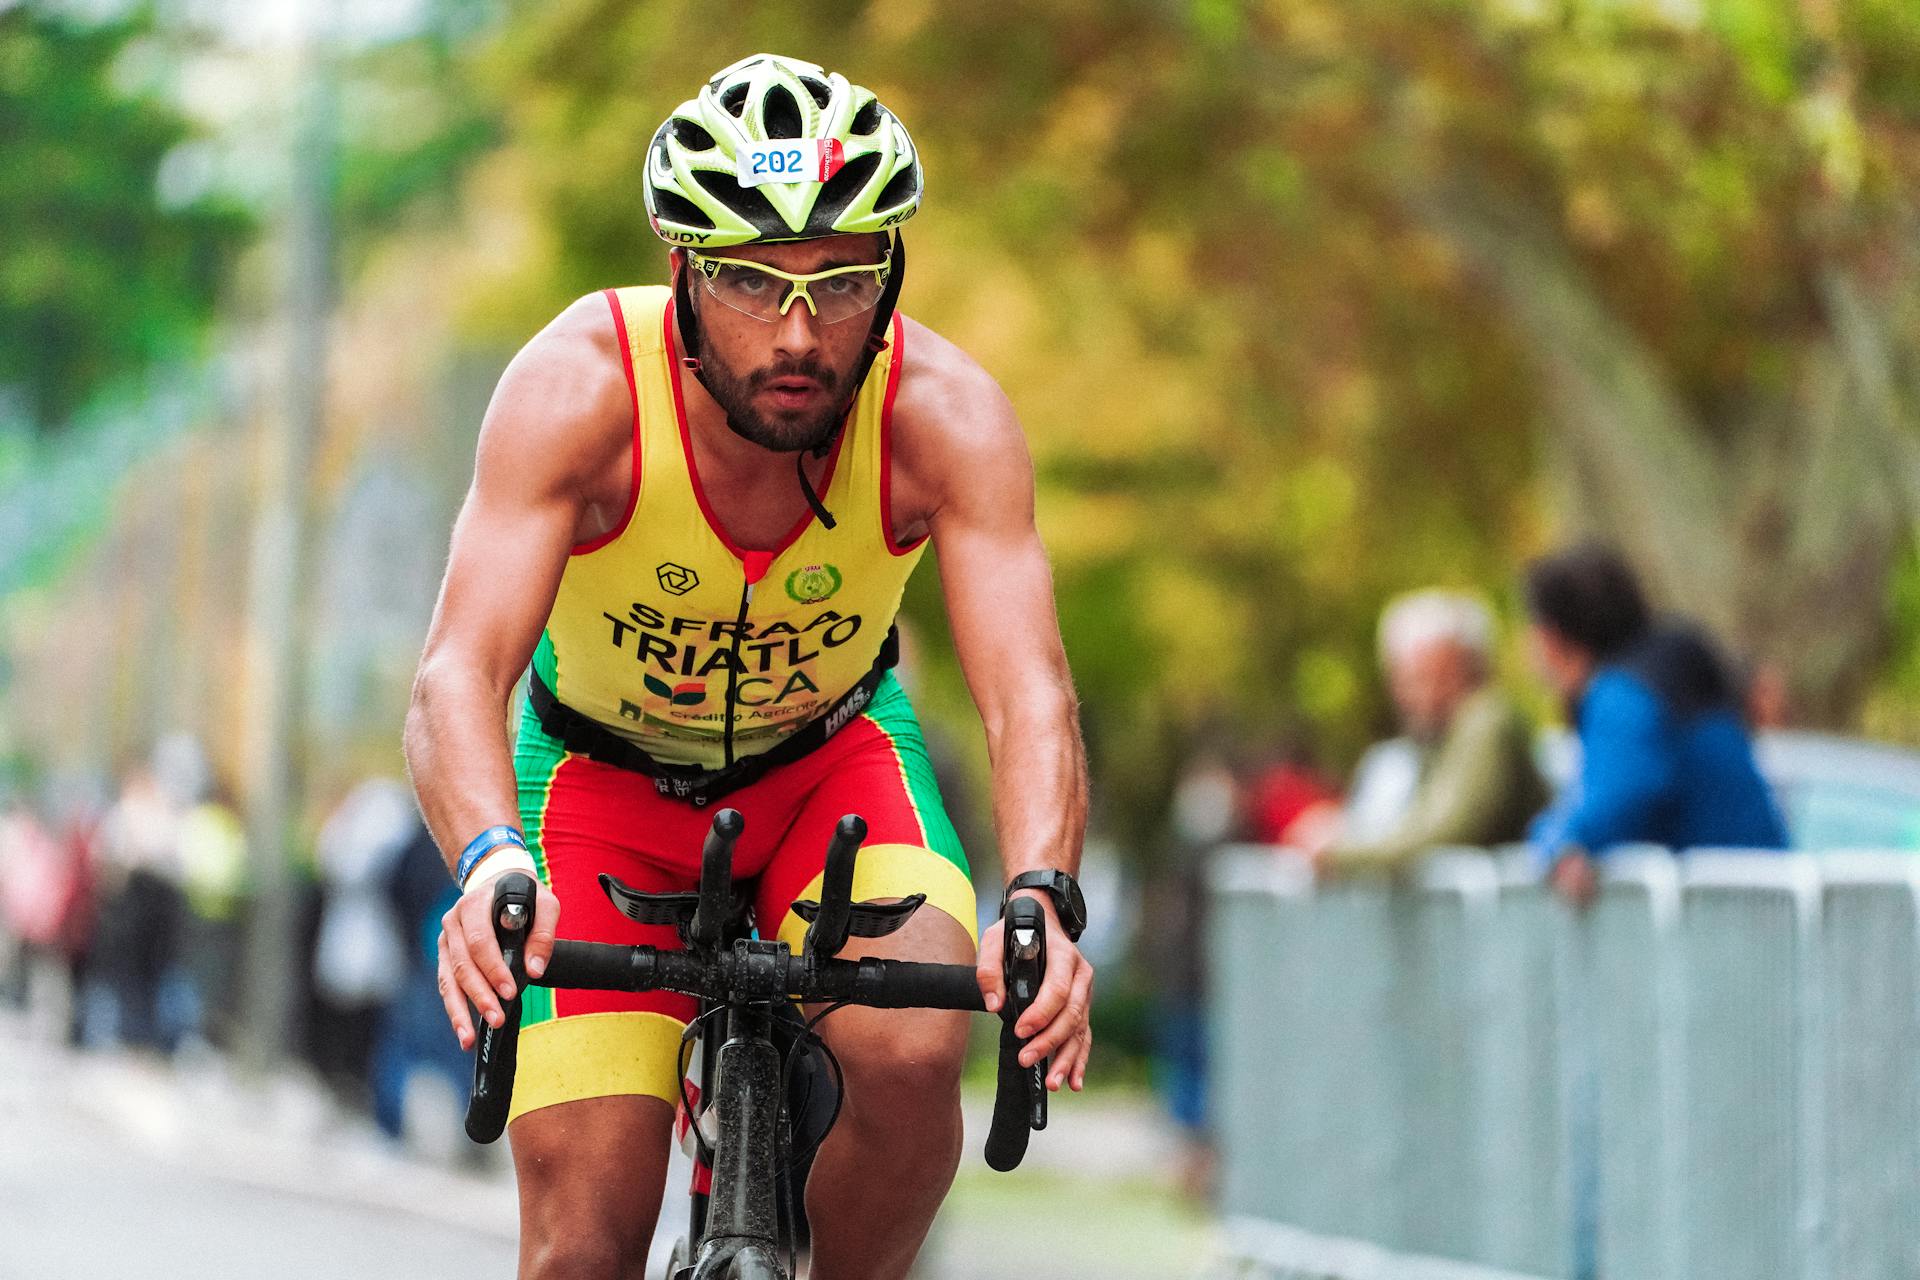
(767, 1098)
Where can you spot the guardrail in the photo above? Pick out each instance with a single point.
(1712, 1075)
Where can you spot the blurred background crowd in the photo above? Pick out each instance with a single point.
(1421, 392)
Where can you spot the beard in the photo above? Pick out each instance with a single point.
(783, 431)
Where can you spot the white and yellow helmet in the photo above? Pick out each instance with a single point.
(859, 170)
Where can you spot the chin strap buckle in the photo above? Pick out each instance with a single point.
(690, 363)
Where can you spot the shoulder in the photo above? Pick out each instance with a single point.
(563, 400)
(946, 406)
(573, 361)
(1620, 698)
(1489, 713)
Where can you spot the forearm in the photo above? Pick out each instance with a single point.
(1040, 783)
(458, 756)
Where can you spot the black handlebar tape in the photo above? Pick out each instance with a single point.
(599, 966)
(1020, 1097)
(888, 984)
(716, 878)
(828, 932)
(499, 1047)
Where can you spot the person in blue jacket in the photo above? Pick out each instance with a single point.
(1665, 756)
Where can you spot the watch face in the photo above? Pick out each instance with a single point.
(1076, 902)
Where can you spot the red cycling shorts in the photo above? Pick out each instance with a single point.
(582, 818)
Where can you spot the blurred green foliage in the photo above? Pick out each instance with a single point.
(1303, 302)
(102, 270)
(1307, 302)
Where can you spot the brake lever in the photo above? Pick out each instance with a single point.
(1024, 963)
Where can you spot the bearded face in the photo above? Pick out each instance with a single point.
(784, 382)
(756, 401)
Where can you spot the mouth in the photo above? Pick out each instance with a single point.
(794, 392)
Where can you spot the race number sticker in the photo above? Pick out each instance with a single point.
(789, 161)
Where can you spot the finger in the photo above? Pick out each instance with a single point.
(454, 999)
(546, 919)
(1072, 1017)
(468, 978)
(1054, 990)
(484, 949)
(1069, 1066)
(987, 972)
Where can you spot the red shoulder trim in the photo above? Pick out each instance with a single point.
(886, 443)
(633, 390)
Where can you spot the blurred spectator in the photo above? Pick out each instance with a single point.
(1285, 792)
(32, 895)
(138, 934)
(1665, 758)
(1769, 697)
(1475, 783)
(213, 861)
(360, 960)
(1205, 806)
(414, 1040)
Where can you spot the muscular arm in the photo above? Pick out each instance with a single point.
(559, 410)
(964, 451)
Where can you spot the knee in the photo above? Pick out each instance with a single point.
(580, 1255)
(907, 1067)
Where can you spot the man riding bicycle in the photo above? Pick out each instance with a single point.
(693, 513)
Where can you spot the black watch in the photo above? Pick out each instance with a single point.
(1068, 902)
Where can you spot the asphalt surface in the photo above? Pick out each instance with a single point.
(120, 1168)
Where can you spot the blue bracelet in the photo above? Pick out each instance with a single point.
(482, 845)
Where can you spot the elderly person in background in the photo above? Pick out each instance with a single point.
(1664, 755)
(1474, 781)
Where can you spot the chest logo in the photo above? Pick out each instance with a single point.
(810, 584)
(677, 580)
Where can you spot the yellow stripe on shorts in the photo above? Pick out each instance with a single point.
(597, 1055)
(898, 871)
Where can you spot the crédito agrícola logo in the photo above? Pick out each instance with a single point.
(688, 693)
(812, 583)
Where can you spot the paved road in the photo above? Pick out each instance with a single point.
(123, 1169)
(78, 1201)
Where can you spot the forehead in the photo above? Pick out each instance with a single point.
(803, 256)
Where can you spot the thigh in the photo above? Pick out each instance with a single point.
(582, 819)
(590, 1175)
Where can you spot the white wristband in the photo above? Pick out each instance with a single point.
(497, 861)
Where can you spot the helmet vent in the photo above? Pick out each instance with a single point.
(749, 202)
(735, 99)
(692, 136)
(899, 190)
(780, 114)
(677, 208)
(867, 118)
(839, 192)
(821, 94)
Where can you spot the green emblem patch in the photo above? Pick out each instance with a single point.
(810, 584)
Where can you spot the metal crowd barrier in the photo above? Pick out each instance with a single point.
(1712, 1075)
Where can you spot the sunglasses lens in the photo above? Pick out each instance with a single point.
(762, 295)
(843, 297)
(754, 292)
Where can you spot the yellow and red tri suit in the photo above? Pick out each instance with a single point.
(650, 626)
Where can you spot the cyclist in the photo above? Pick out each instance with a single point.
(693, 512)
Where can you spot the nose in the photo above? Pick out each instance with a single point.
(796, 335)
